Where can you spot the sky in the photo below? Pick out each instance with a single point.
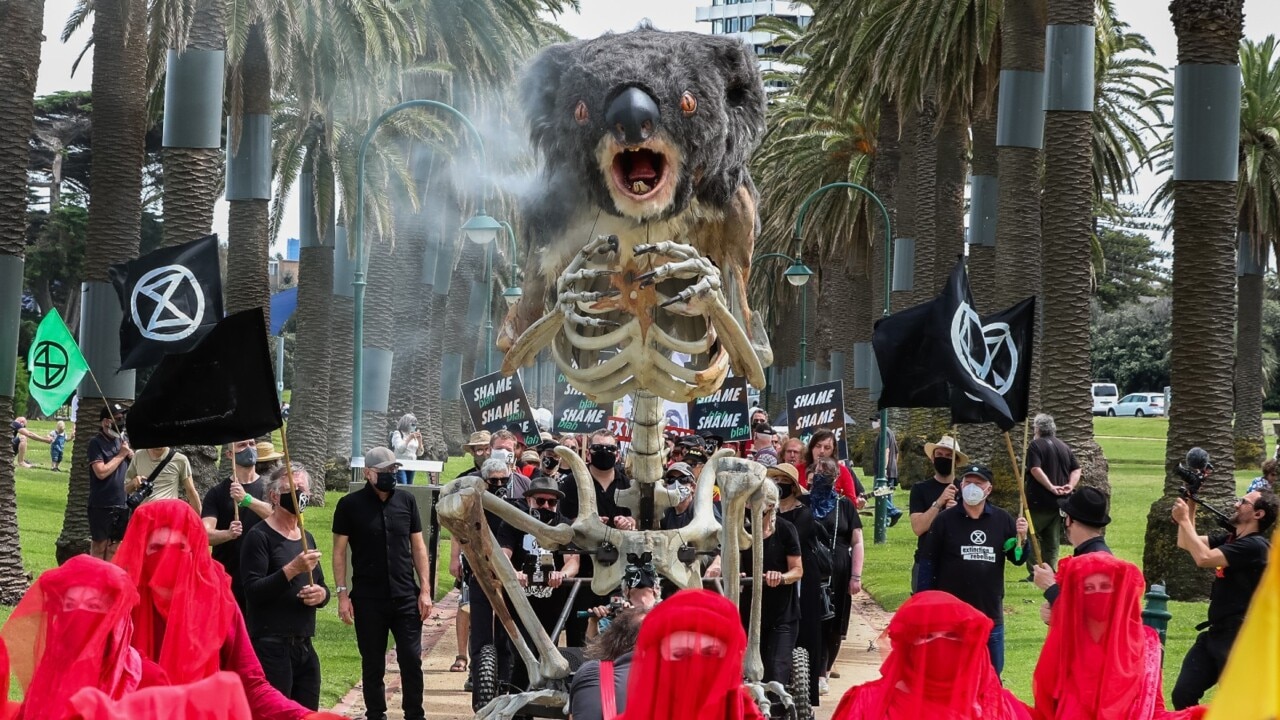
(1148, 17)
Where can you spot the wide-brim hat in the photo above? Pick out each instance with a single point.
(1086, 505)
(267, 452)
(478, 439)
(545, 485)
(789, 472)
(948, 442)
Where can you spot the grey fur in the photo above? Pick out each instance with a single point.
(716, 141)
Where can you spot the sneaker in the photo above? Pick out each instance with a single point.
(894, 517)
(823, 687)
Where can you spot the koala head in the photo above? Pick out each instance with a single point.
(646, 121)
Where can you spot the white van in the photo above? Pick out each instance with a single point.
(1105, 396)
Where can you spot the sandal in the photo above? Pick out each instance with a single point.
(459, 664)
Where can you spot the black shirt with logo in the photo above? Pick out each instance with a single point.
(924, 494)
(379, 533)
(1057, 462)
(965, 556)
(1233, 589)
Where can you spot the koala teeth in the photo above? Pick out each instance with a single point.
(639, 187)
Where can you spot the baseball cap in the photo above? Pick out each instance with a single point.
(682, 468)
(380, 458)
(978, 470)
(110, 410)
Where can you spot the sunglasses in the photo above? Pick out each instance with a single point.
(604, 448)
(549, 503)
(682, 479)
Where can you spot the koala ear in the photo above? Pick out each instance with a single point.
(744, 98)
(540, 87)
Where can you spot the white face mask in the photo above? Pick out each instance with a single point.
(973, 495)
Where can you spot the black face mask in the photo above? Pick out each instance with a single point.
(546, 516)
(550, 462)
(603, 459)
(496, 489)
(286, 503)
(386, 482)
(943, 466)
(784, 491)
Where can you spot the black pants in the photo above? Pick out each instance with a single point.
(292, 667)
(776, 645)
(399, 617)
(1202, 665)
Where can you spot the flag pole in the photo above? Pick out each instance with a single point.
(1022, 494)
(293, 490)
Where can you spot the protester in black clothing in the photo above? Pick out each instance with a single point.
(284, 586)
(232, 508)
(839, 518)
(792, 510)
(779, 600)
(382, 526)
(109, 455)
(1240, 559)
(1084, 516)
(965, 550)
(549, 462)
(679, 477)
(1052, 473)
(930, 497)
(607, 477)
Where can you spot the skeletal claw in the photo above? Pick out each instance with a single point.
(644, 249)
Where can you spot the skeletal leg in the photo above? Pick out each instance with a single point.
(507, 706)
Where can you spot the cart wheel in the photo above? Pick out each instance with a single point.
(486, 683)
(799, 685)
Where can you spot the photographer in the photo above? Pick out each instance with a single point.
(1240, 557)
(160, 474)
(640, 589)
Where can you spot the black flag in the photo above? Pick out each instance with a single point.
(171, 298)
(1009, 339)
(906, 353)
(222, 390)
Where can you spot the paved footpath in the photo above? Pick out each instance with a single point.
(859, 661)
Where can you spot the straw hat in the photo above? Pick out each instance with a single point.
(267, 452)
(948, 442)
(478, 439)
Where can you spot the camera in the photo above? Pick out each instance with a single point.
(1193, 471)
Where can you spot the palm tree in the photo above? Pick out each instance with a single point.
(20, 38)
(1259, 203)
(1067, 257)
(1205, 221)
(115, 203)
(249, 221)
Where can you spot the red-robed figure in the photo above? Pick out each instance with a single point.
(938, 668)
(1100, 662)
(688, 662)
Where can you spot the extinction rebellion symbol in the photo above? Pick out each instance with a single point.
(49, 368)
(978, 348)
(167, 322)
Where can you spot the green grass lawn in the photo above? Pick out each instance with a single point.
(1135, 449)
(42, 499)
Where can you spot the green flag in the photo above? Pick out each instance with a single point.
(55, 364)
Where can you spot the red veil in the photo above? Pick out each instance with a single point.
(938, 668)
(699, 686)
(166, 554)
(218, 697)
(1117, 676)
(70, 631)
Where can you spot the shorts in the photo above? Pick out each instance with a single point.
(108, 523)
(15, 442)
(55, 456)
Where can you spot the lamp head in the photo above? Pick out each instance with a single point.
(798, 274)
(512, 294)
(482, 229)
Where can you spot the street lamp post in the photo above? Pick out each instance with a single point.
(480, 229)
(798, 275)
(882, 490)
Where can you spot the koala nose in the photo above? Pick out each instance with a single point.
(632, 116)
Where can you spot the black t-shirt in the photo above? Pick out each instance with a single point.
(380, 536)
(522, 544)
(672, 520)
(107, 492)
(606, 506)
(1057, 461)
(965, 557)
(923, 494)
(847, 516)
(584, 691)
(1233, 589)
(218, 505)
(271, 601)
(780, 605)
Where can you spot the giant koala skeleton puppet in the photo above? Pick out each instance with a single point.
(641, 234)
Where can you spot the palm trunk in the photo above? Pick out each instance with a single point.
(341, 363)
(952, 162)
(1204, 263)
(249, 222)
(20, 38)
(379, 327)
(905, 202)
(460, 340)
(926, 209)
(884, 173)
(115, 204)
(1250, 445)
(1067, 270)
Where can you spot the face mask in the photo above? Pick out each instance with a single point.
(550, 462)
(546, 516)
(505, 456)
(943, 466)
(822, 484)
(286, 503)
(413, 427)
(247, 457)
(784, 491)
(496, 489)
(685, 491)
(386, 481)
(603, 459)
(973, 495)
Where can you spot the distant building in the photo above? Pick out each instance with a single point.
(283, 270)
(738, 19)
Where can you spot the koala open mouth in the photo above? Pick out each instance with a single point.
(639, 172)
